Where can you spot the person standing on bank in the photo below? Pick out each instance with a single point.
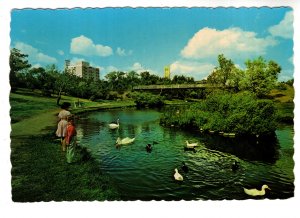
(63, 122)
(70, 139)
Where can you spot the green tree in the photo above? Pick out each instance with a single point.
(116, 80)
(132, 79)
(222, 74)
(31, 78)
(260, 76)
(180, 79)
(18, 63)
(235, 78)
(149, 79)
(60, 84)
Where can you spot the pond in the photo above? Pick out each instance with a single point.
(142, 175)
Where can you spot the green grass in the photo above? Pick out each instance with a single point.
(284, 100)
(40, 173)
(24, 106)
(283, 96)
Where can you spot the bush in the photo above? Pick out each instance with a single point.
(240, 113)
(143, 100)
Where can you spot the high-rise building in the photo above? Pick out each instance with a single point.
(83, 69)
(167, 72)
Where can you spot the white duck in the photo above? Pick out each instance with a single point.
(177, 175)
(124, 141)
(114, 125)
(191, 145)
(255, 192)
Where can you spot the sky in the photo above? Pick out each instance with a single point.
(188, 40)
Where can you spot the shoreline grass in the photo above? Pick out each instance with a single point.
(40, 173)
(39, 170)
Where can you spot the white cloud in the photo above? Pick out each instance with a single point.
(286, 75)
(36, 66)
(291, 60)
(139, 68)
(34, 55)
(191, 68)
(85, 46)
(232, 42)
(111, 69)
(285, 28)
(60, 52)
(75, 60)
(122, 52)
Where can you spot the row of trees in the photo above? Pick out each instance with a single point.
(51, 81)
(259, 77)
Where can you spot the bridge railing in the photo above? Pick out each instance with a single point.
(175, 86)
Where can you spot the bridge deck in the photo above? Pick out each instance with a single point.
(175, 86)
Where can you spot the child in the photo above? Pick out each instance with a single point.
(62, 124)
(70, 140)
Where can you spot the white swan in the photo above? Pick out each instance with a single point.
(255, 192)
(124, 141)
(177, 175)
(114, 125)
(191, 145)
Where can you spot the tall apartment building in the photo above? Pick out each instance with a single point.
(167, 72)
(83, 69)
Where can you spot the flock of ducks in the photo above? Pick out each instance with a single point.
(184, 167)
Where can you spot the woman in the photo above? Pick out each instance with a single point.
(63, 122)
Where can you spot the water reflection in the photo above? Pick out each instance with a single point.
(247, 148)
(142, 175)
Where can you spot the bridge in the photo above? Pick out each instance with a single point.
(176, 86)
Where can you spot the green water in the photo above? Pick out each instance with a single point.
(140, 175)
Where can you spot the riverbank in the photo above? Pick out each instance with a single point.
(39, 168)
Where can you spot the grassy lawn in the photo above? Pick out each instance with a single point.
(40, 173)
(284, 100)
(39, 168)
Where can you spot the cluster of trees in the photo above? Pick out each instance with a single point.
(242, 113)
(149, 100)
(259, 77)
(51, 81)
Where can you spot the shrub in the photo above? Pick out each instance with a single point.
(240, 113)
(143, 100)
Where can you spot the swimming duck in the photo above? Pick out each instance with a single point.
(234, 166)
(177, 175)
(114, 125)
(184, 167)
(124, 141)
(191, 145)
(255, 192)
(148, 148)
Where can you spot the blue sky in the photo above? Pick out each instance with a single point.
(124, 39)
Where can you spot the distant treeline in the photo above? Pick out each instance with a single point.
(259, 78)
